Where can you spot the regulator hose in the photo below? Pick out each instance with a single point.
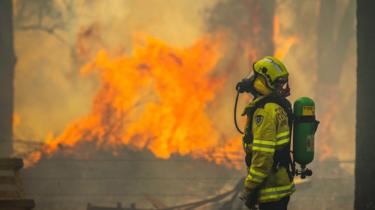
(235, 113)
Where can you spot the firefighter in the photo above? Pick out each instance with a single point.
(266, 139)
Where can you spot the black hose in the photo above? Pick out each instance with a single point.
(235, 113)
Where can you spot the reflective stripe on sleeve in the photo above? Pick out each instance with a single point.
(264, 145)
(275, 193)
(282, 138)
(254, 179)
(264, 142)
(263, 149)
(256, 176)
(282, 135)
(257, 173)
(281, 142)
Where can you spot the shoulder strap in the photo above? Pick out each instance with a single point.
(272, 98)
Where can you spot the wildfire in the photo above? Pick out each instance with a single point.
(154, 99)
(282, 44)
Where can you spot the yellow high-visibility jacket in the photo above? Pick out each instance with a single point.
(270, 132)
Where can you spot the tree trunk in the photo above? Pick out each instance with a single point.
(7, 63)
(365, 137)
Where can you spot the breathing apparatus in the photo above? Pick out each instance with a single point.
(271, 76)
(246, 85)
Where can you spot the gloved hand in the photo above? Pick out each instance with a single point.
(249, 198)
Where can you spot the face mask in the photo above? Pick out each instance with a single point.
(282, 88)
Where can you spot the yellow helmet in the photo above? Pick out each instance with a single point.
(272, 70)
(270, 75)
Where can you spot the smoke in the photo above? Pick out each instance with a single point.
(334, 93)
(248, 27)
(332, 85)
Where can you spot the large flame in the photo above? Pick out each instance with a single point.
(155, 99)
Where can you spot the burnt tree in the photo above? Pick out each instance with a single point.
(365, 137)
(7, 63)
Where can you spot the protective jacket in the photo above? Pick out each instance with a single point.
(267, 144)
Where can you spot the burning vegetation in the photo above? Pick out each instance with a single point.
(155, 99)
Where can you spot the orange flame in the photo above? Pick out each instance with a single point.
(282, 44)
(155, 99)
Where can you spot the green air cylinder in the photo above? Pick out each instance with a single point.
(304, 129)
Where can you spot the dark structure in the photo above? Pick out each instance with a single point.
(11, 189)
(7, 62)
(365, 139)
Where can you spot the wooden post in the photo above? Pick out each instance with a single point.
(365, 137)
(7, 63)
(11, 190)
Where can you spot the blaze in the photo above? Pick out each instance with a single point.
(282, 43)
(155, 99)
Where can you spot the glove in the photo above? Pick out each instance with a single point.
(249, 198)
